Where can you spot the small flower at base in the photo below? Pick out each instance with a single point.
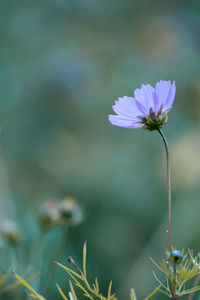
(176, 256)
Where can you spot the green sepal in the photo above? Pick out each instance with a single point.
(155, 122)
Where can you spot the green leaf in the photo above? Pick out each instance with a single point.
(152, 293)
(61, 292)
(28, 286)
(84, 258)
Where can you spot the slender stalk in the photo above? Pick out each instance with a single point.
(36, 247)
(169, 190)
(173, 295)
(13, 256)
(171, 286)
(58, 252)
(195, 284)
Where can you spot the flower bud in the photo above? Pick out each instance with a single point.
(70, 212)
(48, 214)
(10, 231)
(176, 256)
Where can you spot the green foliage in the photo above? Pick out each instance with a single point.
(80, 280)
(79, 277)
(178, 273)
(91, 291)
(29, 287)
(6, 287)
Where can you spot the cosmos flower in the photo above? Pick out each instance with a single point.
(148, 109)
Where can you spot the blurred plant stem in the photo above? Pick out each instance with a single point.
(13, 256)
(58, 252)
(35, 248)
(195, 284)
(169, 190)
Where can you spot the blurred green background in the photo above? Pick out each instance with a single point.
(62, 65)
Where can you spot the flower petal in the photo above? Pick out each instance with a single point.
(170, 98)
(124, 122)
(156, 102)
(165, 93)
(126, 106)
(145, 96)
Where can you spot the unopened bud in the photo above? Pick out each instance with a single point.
(176, 256)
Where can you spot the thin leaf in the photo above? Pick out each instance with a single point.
(192, 290)
(61, 292)
(69, 270)
(165, 267)
(160, 282)
(72, 290)
(97, 285)
(133, 295)
(109, 290)
(80, 286)
(17, 283)
(152, 293)
(84, 258)
(33, 296)
(70, 296)
(163, 292)
(3, 279)
(28, 286)
(157, 266)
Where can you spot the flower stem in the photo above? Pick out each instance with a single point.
(58, 252)
(172, 284)
(169, 190)
(195, 284)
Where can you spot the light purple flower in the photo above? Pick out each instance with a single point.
(148, 109)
